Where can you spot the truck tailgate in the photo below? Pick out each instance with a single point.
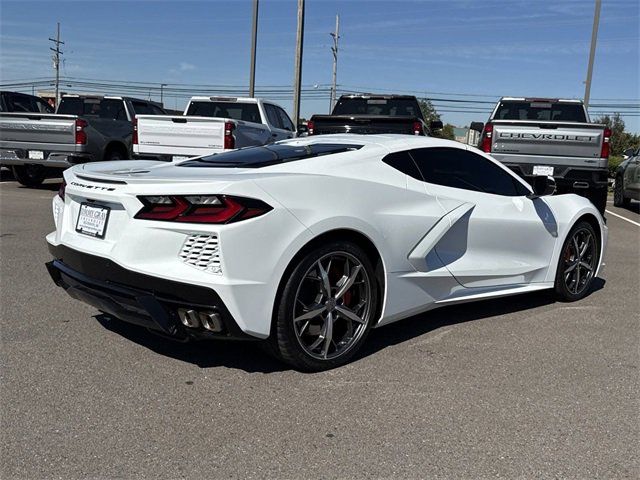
(49, 132)
(180, 135)
(547, 139)
(362, 124)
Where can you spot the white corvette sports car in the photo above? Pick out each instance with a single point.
(309, 243)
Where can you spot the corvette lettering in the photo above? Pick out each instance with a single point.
(93, 187)
(549, 136)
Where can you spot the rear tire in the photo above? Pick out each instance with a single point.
(618, 194)
(114, 154)
(29, 175)
(326, 308)
(578, 263)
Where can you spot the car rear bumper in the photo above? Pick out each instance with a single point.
(139, 299)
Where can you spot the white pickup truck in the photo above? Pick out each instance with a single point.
(210, 125)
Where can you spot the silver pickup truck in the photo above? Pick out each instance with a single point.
(551, 137)
(83, 129)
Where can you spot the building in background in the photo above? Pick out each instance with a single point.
(466, 135)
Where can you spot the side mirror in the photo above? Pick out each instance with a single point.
(302, 130)
(436, 125)
(543, 186)
(477, 126)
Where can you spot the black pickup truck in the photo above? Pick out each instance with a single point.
(85, 128)
(370, 114)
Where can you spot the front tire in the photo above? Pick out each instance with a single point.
(29, 175)
(618, 194)
(578, 263)
(326, 308)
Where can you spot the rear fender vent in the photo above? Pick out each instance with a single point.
(202, 251)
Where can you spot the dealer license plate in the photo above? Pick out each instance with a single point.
(543, 170)
(92, 220)
(36, 155)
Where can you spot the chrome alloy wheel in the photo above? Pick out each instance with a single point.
(579, 261)
(333, 305)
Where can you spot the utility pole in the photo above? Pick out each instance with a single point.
(334, 50)
(56, 61)
(297, 78)
(592, 53)
(254, 39)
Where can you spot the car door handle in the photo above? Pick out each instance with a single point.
(274, 135)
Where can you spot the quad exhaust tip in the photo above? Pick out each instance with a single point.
(211, 321)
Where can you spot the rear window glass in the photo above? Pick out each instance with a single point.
(104, 108)
(541, 111)
(378, 106)
(254, 157)
(247, 112)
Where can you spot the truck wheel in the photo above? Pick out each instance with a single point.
(618, 194)
(598, 197)
(30, 175)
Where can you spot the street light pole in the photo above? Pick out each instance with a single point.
(297, 79)
(334, 50)
(592, 53)
(254, 39)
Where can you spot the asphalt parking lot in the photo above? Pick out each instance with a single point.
(520, 387)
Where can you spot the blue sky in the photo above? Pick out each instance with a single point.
(430, 48)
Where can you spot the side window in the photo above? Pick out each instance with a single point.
(43, 107)
(403, 162)
(457, 168)
(22, 103)
(142, 108)
(157, 110)
(286, 122)
(272, 116)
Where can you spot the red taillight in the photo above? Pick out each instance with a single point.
(200, 208)
(63, 187)
(417, 128)
(487, 134)
(81, 135)
(310, 127)
(134, 136)
(606, 143)
(229, 141)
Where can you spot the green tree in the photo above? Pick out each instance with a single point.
(620, 139)
(447, 132)
(429, 112)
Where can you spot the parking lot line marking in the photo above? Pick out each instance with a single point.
(623, 218)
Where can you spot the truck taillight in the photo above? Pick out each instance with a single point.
(310, 127)
(229, 141)
(417, 128)
(606, 142)
(200, 208)
(487, 134)
(81, 135)
(134, 136)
